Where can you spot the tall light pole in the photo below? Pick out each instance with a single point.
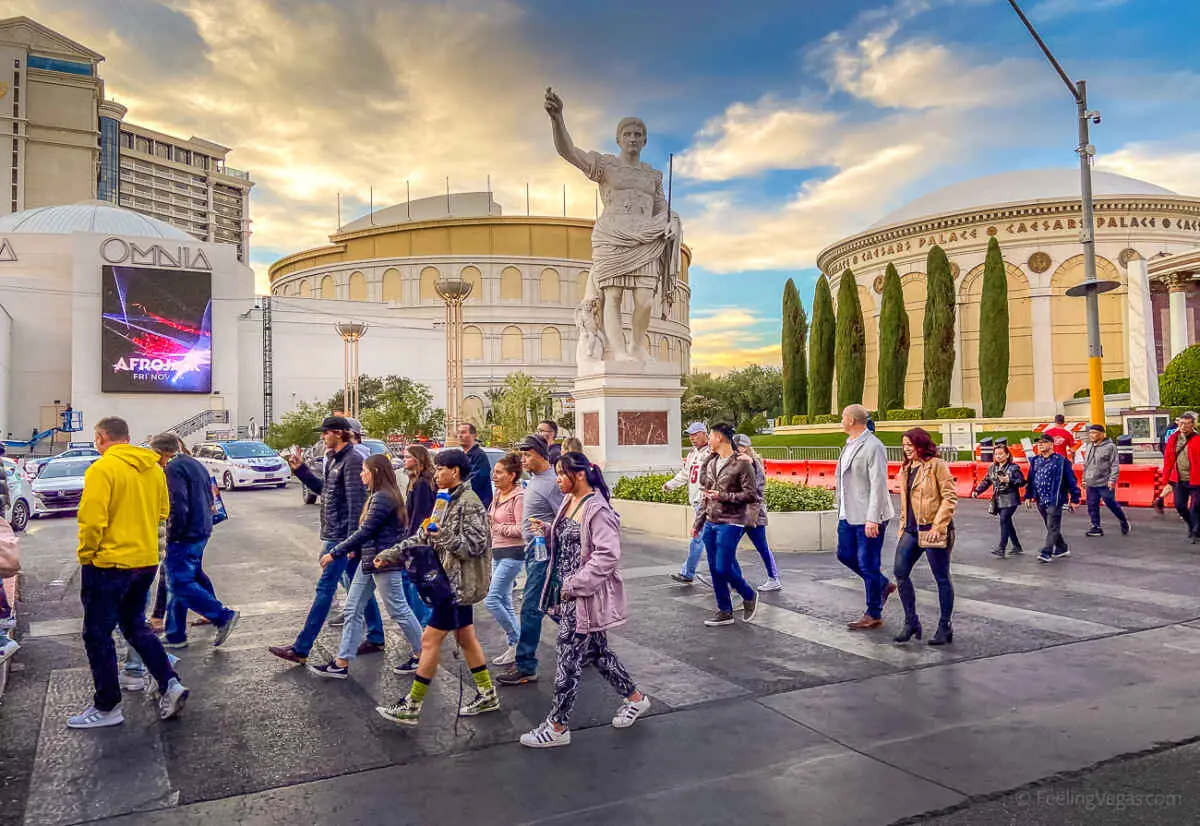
(454, 291)
(1090, 289)
(351, 332)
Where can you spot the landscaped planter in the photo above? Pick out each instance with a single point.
(791, 532)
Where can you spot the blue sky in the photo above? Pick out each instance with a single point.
(793, 123)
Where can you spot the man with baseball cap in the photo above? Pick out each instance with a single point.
(1052, 486)
(342, 497)
(697, 433)
(1100, 469)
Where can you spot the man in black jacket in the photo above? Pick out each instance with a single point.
(481, 468)
(188, 528)
(342, 495)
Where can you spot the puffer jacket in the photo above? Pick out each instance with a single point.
(1101, 467)
(933, 497)
(1005, 481)
(461, 542)
(381, 527)
(341, 490)
(736, 492)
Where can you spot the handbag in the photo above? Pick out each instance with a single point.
(219, 514)
(925, 540)
(10, 551)
(425, 571)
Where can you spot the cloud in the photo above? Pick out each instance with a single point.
(731, 337)
(1175, 165)
(1050, 9)
(755, 137)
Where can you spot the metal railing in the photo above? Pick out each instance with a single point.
(205, 417)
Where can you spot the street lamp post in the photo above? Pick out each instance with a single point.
(1090, 288)
(351, 332)
(454, 291)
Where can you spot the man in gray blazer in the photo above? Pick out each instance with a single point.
(864, 509)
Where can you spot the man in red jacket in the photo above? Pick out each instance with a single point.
(1181, 468)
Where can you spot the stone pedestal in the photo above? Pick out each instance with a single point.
(628, 417)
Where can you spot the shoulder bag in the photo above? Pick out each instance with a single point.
(10, 551)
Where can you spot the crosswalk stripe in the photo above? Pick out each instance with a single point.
(866, 644)
(1006, 613)
(648, 571)
(674, 682)
(1134, 563)
(86, 775)
(1112, 590)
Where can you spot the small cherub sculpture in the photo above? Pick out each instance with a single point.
(591, 336)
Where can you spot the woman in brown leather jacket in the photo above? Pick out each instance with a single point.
(927, 503)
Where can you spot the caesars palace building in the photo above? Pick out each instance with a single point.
(1147, 239)
(528, 275)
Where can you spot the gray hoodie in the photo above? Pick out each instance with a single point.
(1100, 468)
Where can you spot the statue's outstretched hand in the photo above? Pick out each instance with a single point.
(554, 104)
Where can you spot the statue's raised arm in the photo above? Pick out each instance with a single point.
(562, 139)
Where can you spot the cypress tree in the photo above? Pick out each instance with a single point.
(851, 343)
(893, 343)
(795, 365)
(821, 351)
(993, 333)
(939, 334)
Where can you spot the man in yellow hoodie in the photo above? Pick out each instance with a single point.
(124, 501)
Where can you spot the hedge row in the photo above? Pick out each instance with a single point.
(781, 497)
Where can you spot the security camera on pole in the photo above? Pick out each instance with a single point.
(1090, 288)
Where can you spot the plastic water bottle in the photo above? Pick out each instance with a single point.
(540, 552)
(439, 510)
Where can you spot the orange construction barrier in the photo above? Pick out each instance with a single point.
(1137, 485)
(822, 474)
(788, 470)
(964, 478)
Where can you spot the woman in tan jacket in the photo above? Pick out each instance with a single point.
(927, 502)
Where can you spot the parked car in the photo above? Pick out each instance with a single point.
(59, 485)
(242, 463)
(20, 498)
(33, 466)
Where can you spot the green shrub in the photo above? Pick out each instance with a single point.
(993, 333)
(782, 497)
(1113, 431)
(822, 344)
(938, 333)
(893, 343)
(649, 489)
(794, 357)
(904, 414)
(1180, 382)
(956, 413)
(826, 418)
(1110, 386)
(799, 419)
(752, 424)
(850, 357)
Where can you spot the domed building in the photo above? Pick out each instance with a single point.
(528, 272)
(1036, 217)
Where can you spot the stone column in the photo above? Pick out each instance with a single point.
(1044, 403)
(1178, 339)
(1139, 337)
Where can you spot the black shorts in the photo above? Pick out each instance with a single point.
(447, 616)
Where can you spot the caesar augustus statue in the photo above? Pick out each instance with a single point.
(635, 242)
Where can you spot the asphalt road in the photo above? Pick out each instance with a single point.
(1057, 703)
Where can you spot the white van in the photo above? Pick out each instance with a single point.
(243, 464)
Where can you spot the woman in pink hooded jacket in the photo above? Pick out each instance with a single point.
(584, 592)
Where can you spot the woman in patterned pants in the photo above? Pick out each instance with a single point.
(587, 596)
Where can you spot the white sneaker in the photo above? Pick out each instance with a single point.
(7, 648)
(8, 623)
(132, 682)
(545, 737)
(629, 711)
(507, 657)
(172, 700)
(95, 718)
(772, 584)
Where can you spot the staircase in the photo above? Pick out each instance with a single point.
(200, 421)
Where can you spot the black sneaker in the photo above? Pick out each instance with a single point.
(1063, 554)
(998, 552)
(1124, 529)
(1095, 530)
(682, 580)
(1016, 549)
(515, 676)
(407, 667)
(1045, 557)
(330, 670)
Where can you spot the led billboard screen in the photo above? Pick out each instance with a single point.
(156, 331)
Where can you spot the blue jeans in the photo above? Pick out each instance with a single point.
(390, 587)
(327, 586)
(721, 542)
(418, 606)
(862, 554)
(185, 590)
(695, 548)
(907, 554)
(531, 613)
(1105, 494)
(758, 536)
(499, 597)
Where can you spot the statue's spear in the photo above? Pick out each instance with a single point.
(668, 283)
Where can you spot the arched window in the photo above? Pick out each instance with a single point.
(429, 277)
(472, 409)
(664, 349)
(473, 275)
(472, 344)
(510, 285)
(511, 346)
(327, 288)
(551, 344)
(550, 292)
(581, 282)
(358, 287)
(305, 289)
(393, 286)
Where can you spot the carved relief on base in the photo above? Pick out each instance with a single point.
(591, 429)
(642, 427)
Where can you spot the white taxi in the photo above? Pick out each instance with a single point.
(243, 464)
